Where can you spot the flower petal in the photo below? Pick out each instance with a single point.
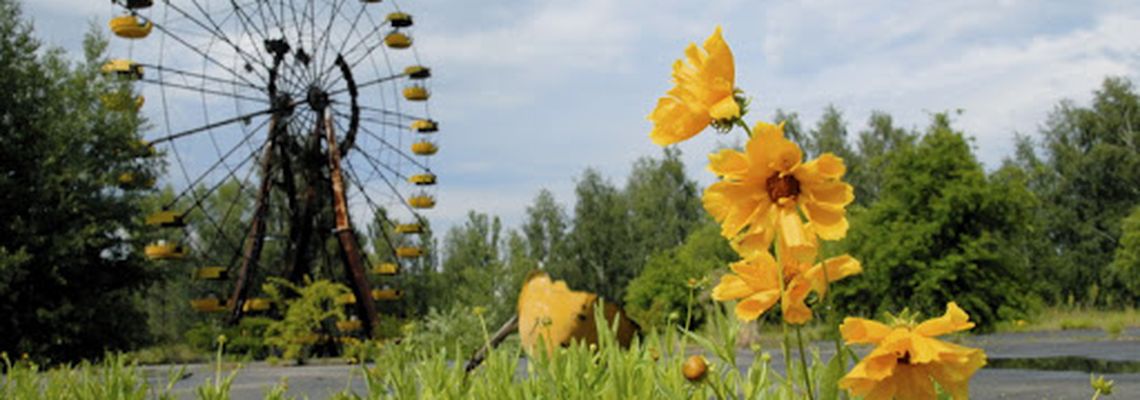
(750, 308)
(759, 272)
(728, 163)
(829, 221)
(768, 148)
(836, 267)
(731, 204)
(793, 306)
(725, 108)
(719, 63)
(673, 121)
(954, 320)
(834, 193)
(859, 330)
(731, 287)
(793, 235)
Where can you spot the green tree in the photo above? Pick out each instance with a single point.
(69, 270)
(545, 230)
(875, 143)
(473, 266)
(663, 289)
(1089, 181)
(829, 136)
(1125, 267)
(941, 231)
(665, 205)
(793, 129)
(601, 241)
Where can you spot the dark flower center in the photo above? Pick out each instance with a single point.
(905, 358)
(782, 186)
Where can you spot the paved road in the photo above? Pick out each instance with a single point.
(318, 382)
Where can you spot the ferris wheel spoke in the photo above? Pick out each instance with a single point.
(376, 81)
(363, 39)
(203, 54)
(390, 113)
(323, 41)
(217, 32)
(200, 199)
(200, 76)
(220, 162)
(375, 210)
(203, 90)
(392, 187)
(351, 30)
(384, 123)
(240, 118)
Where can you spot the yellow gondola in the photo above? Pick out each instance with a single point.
(418, 72)
(397, 40)
(400, 19)
(119, 103)
(424, 148)
(131, 27)
(386, 269)
(137, 4)
(416, 93)
(211, 273)
(409, 252)
(347, 298)
(142, 148)
(256, 304)
(166, 219)
(208, 304)
(421, 201)
(123, 68)
(425, 126)
(164, 251)
(409, 228)
(387, 294)
(422, 179)
(349, 325)
(130, 180)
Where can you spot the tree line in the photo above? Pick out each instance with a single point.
(1056, 223)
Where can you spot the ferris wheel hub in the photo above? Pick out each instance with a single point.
(318, 98)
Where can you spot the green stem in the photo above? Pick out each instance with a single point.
(1096, 395)
(803, 363)
(740, 122)
(784, 323)
(688, 321)
(827, 306)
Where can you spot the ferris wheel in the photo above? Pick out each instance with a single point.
(313, 112)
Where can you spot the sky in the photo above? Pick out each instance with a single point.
(529, 93)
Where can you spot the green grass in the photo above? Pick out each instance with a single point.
(1112, 322)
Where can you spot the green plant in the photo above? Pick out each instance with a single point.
(218, 388)
(114, 378)
(309, 311)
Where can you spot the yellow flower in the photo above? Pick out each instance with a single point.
(908, 357)
(755, 281)
(764, 189)
(703, 93)
(811, 279)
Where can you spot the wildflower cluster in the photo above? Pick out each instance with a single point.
(775, 208)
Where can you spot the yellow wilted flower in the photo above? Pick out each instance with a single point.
(812, 279)
(755, 282)
(763, 189)
(908, 358)
(704, 93)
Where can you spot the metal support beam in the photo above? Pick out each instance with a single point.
(350, 250)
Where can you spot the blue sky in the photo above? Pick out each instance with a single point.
(529, 93)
